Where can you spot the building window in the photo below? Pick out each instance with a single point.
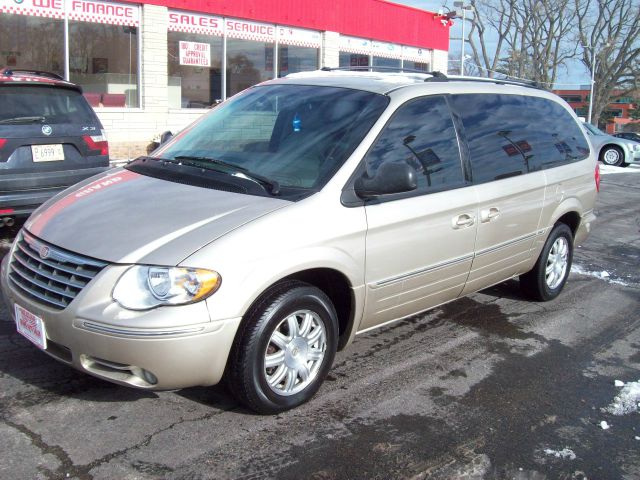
(103, 59)
(353, 60)
(571, 98)
(195, 70)
(613, 112)
(248, 63)
(292, 59)
(411, 65)
(30, 42)
(386, 63)
(298, 50)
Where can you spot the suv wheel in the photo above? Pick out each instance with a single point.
(284, 349)
(547, 278)
(612, 155)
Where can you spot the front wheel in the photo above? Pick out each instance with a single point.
(547, 278)
(284, 348)
(612, 155)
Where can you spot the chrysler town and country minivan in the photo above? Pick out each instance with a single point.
(299, 213)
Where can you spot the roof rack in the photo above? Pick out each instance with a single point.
(12, 71)
(383, 69)
(499, 81)
(437, 76)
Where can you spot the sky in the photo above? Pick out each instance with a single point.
(573, 78)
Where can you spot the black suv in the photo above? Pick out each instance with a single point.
(50, 139)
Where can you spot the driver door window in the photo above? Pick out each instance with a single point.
(421, 133)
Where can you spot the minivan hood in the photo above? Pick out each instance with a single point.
(125, 217)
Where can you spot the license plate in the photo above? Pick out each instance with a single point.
(47, 153)
(31, 326)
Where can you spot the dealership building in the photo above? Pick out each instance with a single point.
(157, 65)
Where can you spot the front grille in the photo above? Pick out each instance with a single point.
(48, 274)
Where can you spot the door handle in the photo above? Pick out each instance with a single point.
(489, 214)
(462, 221)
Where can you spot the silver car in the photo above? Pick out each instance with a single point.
(614, 151)
(298, 214)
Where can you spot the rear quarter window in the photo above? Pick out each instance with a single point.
(511, 135)
(56, 105)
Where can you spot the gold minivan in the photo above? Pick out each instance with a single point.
(299, 213)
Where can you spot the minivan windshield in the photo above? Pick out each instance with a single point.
(25, 104)
(292, 136)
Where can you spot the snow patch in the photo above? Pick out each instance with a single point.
(602, 275)
(604, 425)
(608, 169)
(619, 383)
(564, 453)
(626, 401)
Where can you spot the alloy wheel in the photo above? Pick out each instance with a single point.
(295, 352)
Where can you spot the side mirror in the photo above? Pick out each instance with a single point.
(165, 137)
(396, 177)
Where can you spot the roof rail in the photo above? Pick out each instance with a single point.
(11, 71)
(499, 81)
(383, 69)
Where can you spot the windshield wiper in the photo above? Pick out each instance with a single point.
(205, 162)
(17, 120)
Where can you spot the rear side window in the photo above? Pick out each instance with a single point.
(510, 135)
(422, 134)
(56, 105)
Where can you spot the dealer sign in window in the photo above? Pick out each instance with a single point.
(194, 53)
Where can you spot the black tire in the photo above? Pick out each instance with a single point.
(612, 155)
(246, 374)
(534, 284)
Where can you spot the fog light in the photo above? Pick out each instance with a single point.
(149, 377)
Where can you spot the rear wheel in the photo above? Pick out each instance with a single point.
(547, 278)
(284, 349)
(612, 155)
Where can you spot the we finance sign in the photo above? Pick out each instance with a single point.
(85, 10)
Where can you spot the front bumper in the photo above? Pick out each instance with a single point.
(97, 336)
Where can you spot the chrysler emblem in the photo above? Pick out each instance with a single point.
(46, 129)
(44, 252)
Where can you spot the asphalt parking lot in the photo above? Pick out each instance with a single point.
(490, 386)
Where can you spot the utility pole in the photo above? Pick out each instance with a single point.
(464, 7)
(593, 73)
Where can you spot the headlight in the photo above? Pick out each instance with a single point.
(143, 287)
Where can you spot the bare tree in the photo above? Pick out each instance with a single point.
(532, 37)
(487, 19)
(612, 28)
(545, 27)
